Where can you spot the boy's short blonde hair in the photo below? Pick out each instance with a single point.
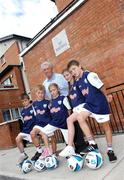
(39, 87)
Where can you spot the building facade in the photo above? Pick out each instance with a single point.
(11, 87)
(90, 32)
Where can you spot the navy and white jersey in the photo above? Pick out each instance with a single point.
(59, 111)
(43, 115)
(75, 95)
(29, 119)
(58, 79)
(95, 101)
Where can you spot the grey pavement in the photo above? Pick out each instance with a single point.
(109, 171)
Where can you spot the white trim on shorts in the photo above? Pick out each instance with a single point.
(25, 136)
(78, 108)
(100, 118)
(40, 128)
(49, 130)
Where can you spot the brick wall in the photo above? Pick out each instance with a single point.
(11, 56)
(1, 116)
(95, 32)
(61, 4)
(8, 133)
(10, 98)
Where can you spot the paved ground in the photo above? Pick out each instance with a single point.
(109, 171)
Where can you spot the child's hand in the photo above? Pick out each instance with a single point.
(109, 98)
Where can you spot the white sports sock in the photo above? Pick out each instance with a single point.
(109, 147)
(91, 140)
(23, 153)
(39, 149)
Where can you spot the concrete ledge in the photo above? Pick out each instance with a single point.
(3, 177)
(109, 171)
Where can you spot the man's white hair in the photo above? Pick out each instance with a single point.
(46, 63)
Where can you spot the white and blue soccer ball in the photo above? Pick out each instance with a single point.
(94, 160)
(40, 165)
(51, 162)
(75, 162)
(27, 166)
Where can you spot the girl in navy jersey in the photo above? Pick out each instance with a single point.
(43, 117)
(28, 124)
(59, 109)
(76, 100)
(95, 105)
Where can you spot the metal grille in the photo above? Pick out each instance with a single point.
(117, 112)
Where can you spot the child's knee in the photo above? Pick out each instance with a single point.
(33, 133)
(70, 120)
(17, 139)
(80, 119)
(106, 127)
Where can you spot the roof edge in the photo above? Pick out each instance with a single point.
(53, 23)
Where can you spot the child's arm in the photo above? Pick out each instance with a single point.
(95, 81)
(108, 96)
(67, 105)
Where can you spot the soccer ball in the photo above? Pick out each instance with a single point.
(26, 166)
(75, 162)
(51, 162)
(94, 160)
(39, 165)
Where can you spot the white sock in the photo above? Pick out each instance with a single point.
(109, 147)
(23, 153)
(91, 140)
(39, 149)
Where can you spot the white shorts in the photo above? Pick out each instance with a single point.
(49, 131)
(25, 136)
(78, 108)
(100, 118)
(40, 128)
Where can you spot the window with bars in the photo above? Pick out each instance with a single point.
(11, 114)
(7, 82)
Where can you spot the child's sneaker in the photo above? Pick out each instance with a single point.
(68, 151)
(91, 147)
(112, 156)
(46, 152)
(22, 157)
(36, 156)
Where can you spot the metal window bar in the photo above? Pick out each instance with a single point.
(117, 113)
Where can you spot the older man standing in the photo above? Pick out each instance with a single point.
(52, 77)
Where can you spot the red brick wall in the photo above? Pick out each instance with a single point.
(11, 56)
(1, 116)
(8, 133)
(12, 74)
(10, 98)
(95, 32)
(61, 4)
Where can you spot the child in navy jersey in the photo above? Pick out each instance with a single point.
(76, 99)
(95, 105)
(28, 124)
(59, 109)
(43, 117)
